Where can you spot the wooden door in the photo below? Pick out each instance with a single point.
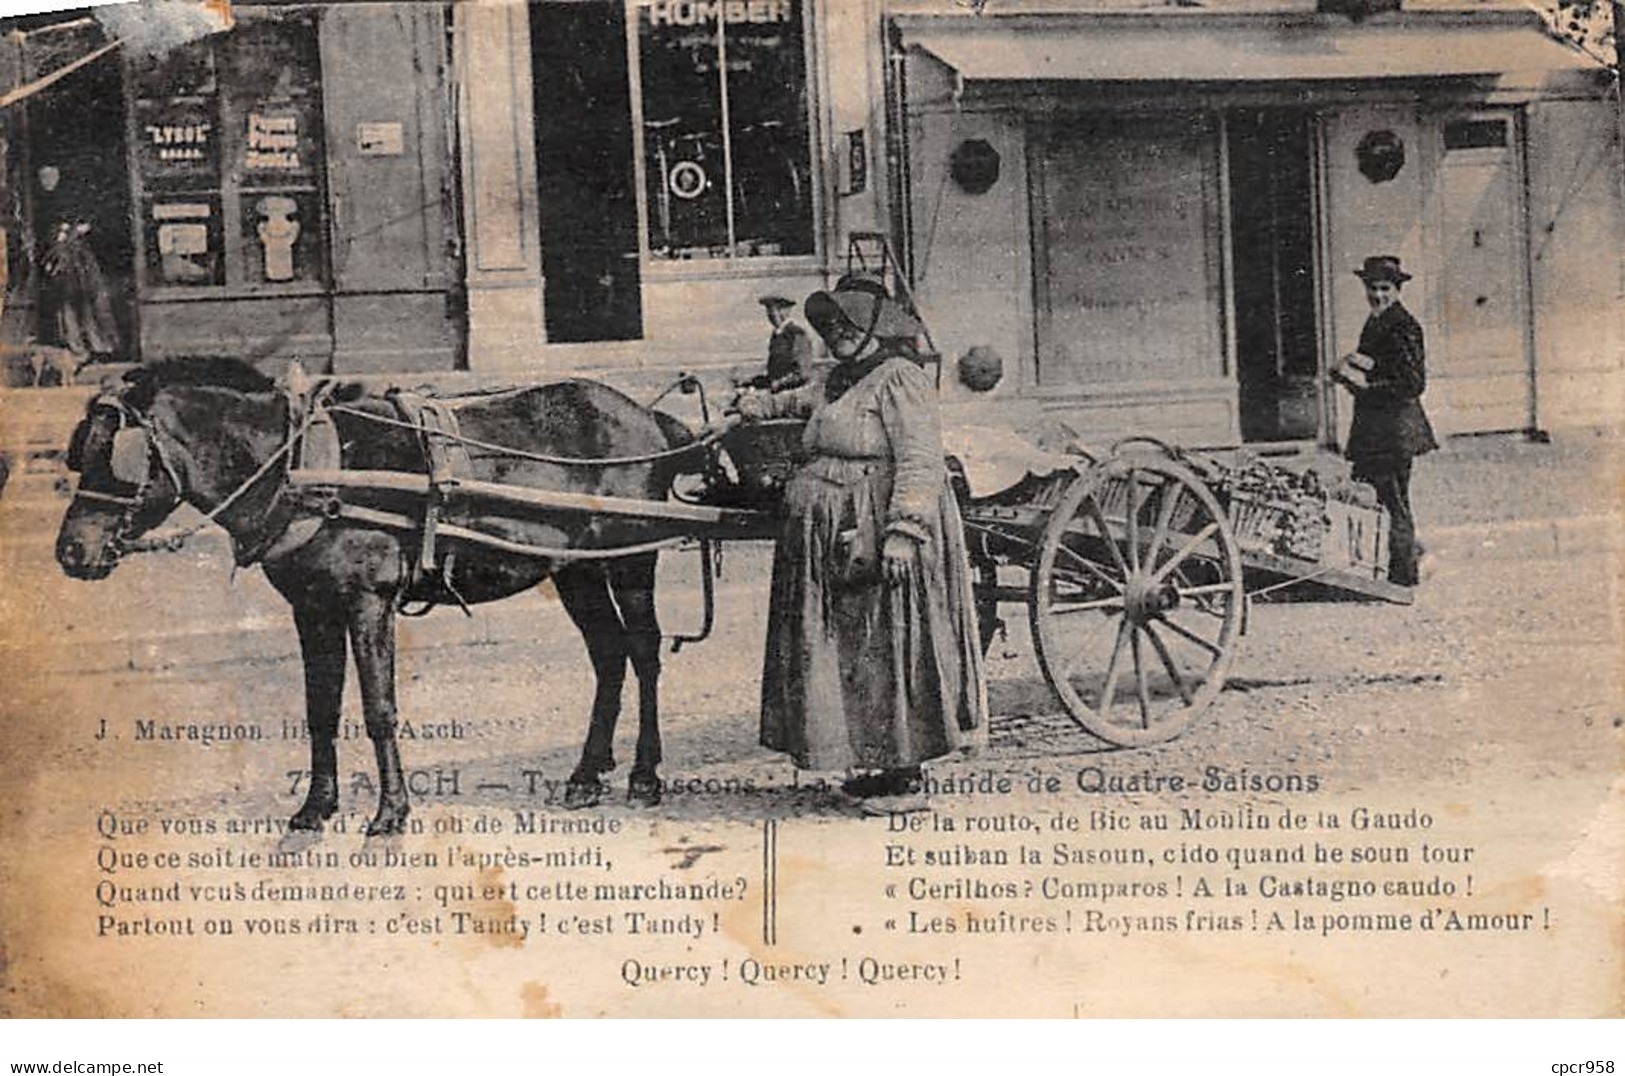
(1480, 372)
(396, 297)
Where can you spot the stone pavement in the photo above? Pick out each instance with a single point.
(1497, 497)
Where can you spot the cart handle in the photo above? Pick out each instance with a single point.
(1171, 451)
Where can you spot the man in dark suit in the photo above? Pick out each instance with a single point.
(1387, 376)
(789, 349)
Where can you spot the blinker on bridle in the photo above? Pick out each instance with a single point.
(129, 457)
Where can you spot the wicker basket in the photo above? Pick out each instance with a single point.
(1255, 521)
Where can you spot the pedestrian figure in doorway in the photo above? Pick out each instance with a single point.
(872, 663)
(1387, 375)
(789, 347)
(77, 303)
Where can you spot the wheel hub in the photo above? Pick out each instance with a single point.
(1144, 599)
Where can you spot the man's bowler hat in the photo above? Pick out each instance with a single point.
(1380, 267)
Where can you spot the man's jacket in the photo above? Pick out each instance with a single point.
(1388, 418)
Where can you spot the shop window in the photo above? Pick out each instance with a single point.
(725, 128)
(228, 131)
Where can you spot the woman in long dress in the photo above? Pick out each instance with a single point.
(873, 664)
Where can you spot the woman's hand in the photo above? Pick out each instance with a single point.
(896, 554)
(751, 406)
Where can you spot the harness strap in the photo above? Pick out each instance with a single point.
(445, 458)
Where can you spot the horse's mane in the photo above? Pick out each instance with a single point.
(218, 371)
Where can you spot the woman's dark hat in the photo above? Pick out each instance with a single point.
(1380, 267)
(864, 303)
(776, 302)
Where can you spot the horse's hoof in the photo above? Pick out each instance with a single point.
(389, 821)
(644, 792)
(311, 817)
(579, 794)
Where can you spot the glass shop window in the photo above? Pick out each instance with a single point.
(725, 130)
(228, 131)
(177, 137)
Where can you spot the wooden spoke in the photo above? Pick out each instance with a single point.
(1184, 632)
(1186, 550)
(1142, 683)
(1201, 601)
(1189, 591)
(1168, 662)
(1165, 514)
(1109, 605)
(1132, 523)
(1106, 535)
(1090, 566)
(1108, 689)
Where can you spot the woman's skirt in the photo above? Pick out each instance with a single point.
(859, 673)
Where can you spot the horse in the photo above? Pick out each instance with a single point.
(217, 434)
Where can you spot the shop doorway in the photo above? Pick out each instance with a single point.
(78, 254)
(592, 280)
(1481, 378)
(1272, 223)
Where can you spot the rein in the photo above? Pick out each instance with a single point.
(703, 441)
(173, 541)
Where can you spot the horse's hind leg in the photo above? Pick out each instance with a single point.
(372, 640)
(633, 581)
(321, 644)
(584, 591)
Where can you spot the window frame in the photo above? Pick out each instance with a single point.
(733, 265)
(232, 192)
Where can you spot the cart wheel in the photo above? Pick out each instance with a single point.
(1136, 599)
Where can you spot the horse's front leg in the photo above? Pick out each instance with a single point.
(372, 640)
(321, 644)
(633, 581)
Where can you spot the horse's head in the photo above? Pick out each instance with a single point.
(128, 482)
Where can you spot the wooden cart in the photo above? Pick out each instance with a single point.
(1136, 566)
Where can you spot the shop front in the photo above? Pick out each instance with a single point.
(293, 189)
(1162, 230)
(637, 174)
(281, 190)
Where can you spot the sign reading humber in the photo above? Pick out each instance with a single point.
(701, 12)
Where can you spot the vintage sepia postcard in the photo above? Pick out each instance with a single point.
(812, 508)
